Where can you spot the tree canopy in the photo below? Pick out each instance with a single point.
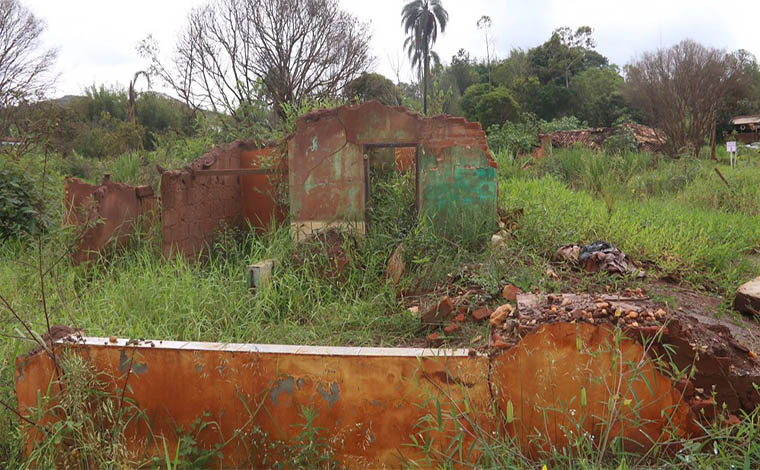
(683, 88)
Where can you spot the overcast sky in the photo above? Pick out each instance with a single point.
(97, 38)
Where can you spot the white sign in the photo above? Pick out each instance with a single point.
(730, 147)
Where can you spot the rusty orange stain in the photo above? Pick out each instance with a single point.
(372, 398)
(371, 401)
(567, 379)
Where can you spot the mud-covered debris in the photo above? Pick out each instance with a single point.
(396, 265)
(510, 292)
(747, 300)
(440, 312)
(598, 256)
(58, 333)
(500, 315)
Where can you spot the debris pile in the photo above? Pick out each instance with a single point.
(648, 139)
(598, 256)
(632, 310)
(726, 370)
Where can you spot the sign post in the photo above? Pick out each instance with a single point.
(731, 149)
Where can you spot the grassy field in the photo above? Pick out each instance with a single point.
(676, 217)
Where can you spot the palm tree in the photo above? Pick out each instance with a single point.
(421, 20)
(132, 94)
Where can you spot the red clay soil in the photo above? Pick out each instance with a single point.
(722, 350)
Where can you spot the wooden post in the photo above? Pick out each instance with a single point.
(712, 139)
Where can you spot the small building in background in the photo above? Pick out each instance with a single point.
(747, 128)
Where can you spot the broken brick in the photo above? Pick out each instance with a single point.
(703, 407)
(510, 292)
(481, 313)
(452, 328)
(434, 339)
(460, 318)
(440, 312)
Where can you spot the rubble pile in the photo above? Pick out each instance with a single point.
(648, 139)
(631, 311)
(725, 369)
(598, 256)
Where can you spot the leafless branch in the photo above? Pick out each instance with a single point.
(234, 53)
(25, 68)
(683, 88)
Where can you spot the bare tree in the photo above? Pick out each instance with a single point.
(132, 95)
(24, 67)
(234, 53)
(484, 24)
(683, 88)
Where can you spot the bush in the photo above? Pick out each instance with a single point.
(18, 205)
(158, 115)
(110, 137)
(497, 107)
(512, 137)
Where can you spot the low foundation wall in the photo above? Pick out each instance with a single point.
(372, 403)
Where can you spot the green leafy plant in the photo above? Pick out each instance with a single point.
(19, 205)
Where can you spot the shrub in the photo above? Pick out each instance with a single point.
(512, 137)
(497, 107)
(18, 204)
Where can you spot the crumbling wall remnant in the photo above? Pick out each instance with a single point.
(196, 202)
(328, 172)
(105, 213)
(646, 138)
(193, 208)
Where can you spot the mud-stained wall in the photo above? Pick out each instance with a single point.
(327, 171)
(193, 207)
(106, 213)
(373, 402)
(264, 196)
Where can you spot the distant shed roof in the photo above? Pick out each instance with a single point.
(739, 120)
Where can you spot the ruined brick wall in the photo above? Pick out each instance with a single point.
(194, 207)
(327, 172)
(264, 196)
(458, 176)
(105, 213)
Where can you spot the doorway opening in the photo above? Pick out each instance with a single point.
(391, 182)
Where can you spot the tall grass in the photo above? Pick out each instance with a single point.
(706, 247)
(678, 216)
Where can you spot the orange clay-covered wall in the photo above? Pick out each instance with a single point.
(457, 173)
(195, 206)
(106, 213)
